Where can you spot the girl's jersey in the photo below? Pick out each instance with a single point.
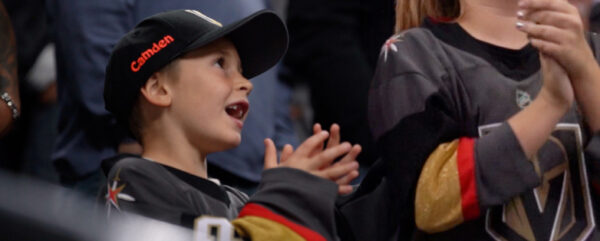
(438, 107)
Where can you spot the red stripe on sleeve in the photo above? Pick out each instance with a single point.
(466, 173)
(252, 209)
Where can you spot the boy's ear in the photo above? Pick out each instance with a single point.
(156, 91)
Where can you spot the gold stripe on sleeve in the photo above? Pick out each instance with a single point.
(438, 197)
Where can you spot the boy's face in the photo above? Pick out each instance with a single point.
(210, 96)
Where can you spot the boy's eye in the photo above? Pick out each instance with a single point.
(220, 63)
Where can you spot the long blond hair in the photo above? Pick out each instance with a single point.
(410, 13)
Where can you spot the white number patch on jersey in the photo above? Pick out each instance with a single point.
(208, 228)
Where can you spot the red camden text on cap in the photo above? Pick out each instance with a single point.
(148, 53)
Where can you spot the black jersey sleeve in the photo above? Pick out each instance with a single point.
(290, 199)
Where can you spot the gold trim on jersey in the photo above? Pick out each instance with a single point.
(438, 198)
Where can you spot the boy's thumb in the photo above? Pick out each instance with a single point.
(270, 154)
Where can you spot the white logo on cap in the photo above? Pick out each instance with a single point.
(199, 14)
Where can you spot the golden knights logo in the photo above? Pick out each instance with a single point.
(523, 99)
(560, 208)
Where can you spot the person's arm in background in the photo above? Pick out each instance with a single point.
(8, 70)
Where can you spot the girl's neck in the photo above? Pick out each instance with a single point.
(170, 149)
(492, 21)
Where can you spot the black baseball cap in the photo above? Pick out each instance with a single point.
(261, 39)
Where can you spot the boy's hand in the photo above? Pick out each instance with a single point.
(333, 141)
(334, 135)
(318, 163)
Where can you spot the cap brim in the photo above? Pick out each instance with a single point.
(261, 39)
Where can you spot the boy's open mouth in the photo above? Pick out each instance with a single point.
(237, 110)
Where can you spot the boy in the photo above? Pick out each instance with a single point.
(176, 80)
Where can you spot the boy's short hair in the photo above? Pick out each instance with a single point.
(260, 39)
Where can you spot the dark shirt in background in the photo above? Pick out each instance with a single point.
(334, 47)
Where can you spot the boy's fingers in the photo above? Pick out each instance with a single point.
(326, 157)
(344, 180)
(316, 128)
(351, 156)
(286, 152)
(306, 148)
(334, 137)
(336, 171)
(345, 189)
(270, 154)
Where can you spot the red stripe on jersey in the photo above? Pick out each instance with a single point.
(466, 173)
(252, 209)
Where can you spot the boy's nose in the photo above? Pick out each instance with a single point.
(244, 85)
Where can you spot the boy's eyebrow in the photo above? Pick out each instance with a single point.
(229, 53)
